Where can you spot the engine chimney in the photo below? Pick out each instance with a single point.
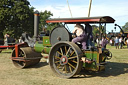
(36, 24)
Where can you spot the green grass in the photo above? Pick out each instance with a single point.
(119, 55)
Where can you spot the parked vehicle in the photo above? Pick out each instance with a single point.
(66, 58)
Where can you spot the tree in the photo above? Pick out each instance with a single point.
(16, 17)
(125, 27)
(43, 16)
(98, 31)
(95, 30)
(43, 25)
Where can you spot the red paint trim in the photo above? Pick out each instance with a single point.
(19, 59)
(74, 20)
(2, 47)
(17, 46)
(16, 50)
(36, 14)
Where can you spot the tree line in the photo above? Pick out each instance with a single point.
(17, 16)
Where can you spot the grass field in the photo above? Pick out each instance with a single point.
(116, 72)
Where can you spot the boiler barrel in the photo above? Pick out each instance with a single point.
(40, 48)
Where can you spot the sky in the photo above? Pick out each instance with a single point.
(117, 9)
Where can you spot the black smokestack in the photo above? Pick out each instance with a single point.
(36, 24)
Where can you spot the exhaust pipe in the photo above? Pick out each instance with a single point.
(36, 24)
(26, 38)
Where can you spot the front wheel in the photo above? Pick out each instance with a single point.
(108, 54)
(64, 59)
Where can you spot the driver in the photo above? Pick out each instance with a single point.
(88, 30)
(80, 35)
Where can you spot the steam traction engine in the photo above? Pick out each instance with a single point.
(66, 58)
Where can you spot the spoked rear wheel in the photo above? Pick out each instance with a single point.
(64, 59)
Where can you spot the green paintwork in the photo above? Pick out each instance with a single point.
(43, 46)
(93, 55)
(46, 41)
(40, 48)
(46, 50)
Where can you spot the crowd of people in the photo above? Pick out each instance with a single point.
(8, 40)
(119, 42)
(102, 42)
(84, 36)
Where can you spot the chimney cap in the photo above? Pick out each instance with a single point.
(36, 12)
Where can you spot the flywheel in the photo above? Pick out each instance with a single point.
(59, 34)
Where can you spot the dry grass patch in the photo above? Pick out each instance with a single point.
(116, 72)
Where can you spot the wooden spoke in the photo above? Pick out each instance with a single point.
(72, 53)
(59, 53)
(74, 61)
(72, 57)
(71, 65)
(70, 69)
(68, 50)
(65, 49)
(65, 68)
(57, 61)
(58, 66)
(57, 57)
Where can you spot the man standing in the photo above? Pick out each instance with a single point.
(120, 40)
(6, 36)
(104, 42)
(117, 43)
(88, 30)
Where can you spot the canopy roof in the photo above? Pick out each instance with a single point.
(101, 19)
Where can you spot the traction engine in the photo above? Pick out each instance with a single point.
(66, 58)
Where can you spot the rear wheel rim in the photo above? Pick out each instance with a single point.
(65, 59)
(19, 64)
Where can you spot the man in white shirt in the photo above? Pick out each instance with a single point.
(121, 42)
(81, 36)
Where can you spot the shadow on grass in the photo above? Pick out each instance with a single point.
(5, 50)
(40, 64)
(111, 69)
